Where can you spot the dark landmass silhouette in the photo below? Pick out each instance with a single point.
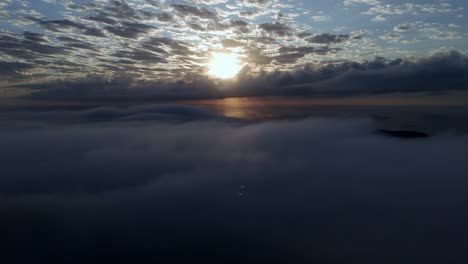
(407, 134)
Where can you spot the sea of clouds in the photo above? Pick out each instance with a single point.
(176, 184)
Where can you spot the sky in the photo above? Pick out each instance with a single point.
(133, 50)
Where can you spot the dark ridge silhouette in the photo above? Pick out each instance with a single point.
(402, 133)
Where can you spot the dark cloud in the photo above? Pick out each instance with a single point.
(240, 27)
(303, 49)
(292, 54)
(124, 86)
(94, 32)
(66, 24)
(327, 38)
(164, 17)
(257, 3)
(121, 9)
(102, 17)
(197, 27)
(402, 28)
(440, 73)
(248, 13)
(29, 47)
(239, 23)
(155, 3)
(36, 37)
(59, 25)
(130, 29)
(77, 44)
(257, 57)
(154, 48)
(210, 191)
(288, 58)
(188, 10)
(304, 34)
(141, 56)
(230, 43)
(176, 47)
(443, 72)
(14, 70)
(260, 40)
(276, 28)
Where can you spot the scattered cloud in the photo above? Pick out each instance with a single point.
(159, 43)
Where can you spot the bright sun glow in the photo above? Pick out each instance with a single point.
(224, 65)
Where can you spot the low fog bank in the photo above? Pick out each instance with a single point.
(207, 189)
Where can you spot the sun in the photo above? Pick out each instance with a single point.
(224, 65)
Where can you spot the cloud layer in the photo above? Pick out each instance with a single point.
(441, 73)
(209, 190)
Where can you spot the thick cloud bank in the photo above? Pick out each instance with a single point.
(440, 73)
(144, 190)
